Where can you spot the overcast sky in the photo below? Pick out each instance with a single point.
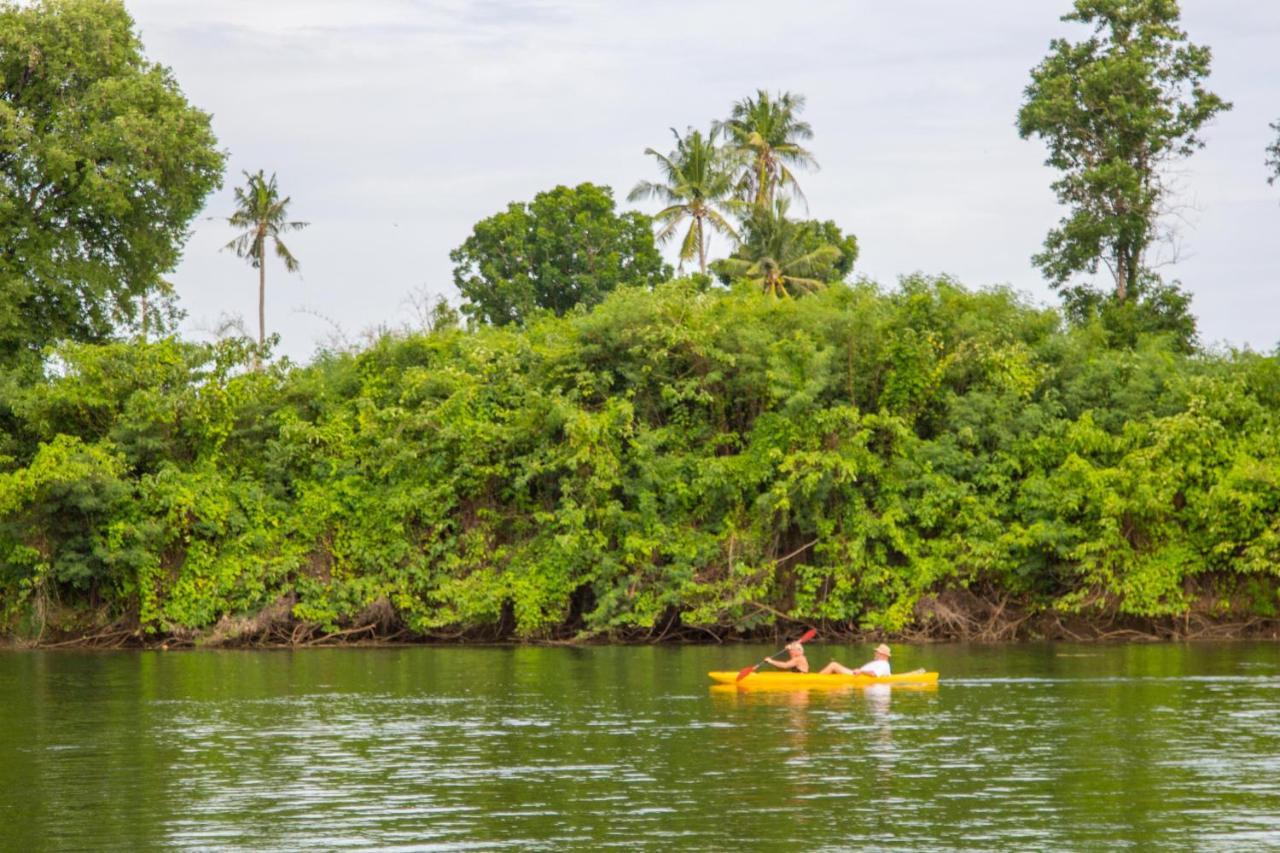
(396, 124)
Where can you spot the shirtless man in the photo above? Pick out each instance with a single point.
(796, 661)
(878, 667)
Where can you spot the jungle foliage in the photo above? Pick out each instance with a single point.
(674, 456)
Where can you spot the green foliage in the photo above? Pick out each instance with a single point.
(698, 185)
(1153, 307)
(567, 247)
(56, 511)
(103, 164)
(775, 254)
(766, 131)
(1113, 111)
(785, 257)
(706, 455)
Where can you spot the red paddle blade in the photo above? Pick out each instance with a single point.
(808, 635)
(747, 670)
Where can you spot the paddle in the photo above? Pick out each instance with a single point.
(804, 638)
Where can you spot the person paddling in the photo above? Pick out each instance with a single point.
(797, 661)
(878, 667)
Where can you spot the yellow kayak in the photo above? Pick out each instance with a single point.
(795, 680)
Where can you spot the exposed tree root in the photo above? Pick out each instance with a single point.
(349, 632)
(251, 630)
(112, 638)
(973, 615)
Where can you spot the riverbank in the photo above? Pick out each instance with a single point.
(959, 616)
(928, 462)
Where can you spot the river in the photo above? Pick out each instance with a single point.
(1035, 747)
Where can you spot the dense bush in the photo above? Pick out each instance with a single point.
(715, 456)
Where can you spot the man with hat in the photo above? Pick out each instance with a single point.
(878, 667)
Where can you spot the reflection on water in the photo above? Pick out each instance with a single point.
(878, 695)
(1033, 747)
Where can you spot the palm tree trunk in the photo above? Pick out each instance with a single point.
(262, 301)
(702, 248)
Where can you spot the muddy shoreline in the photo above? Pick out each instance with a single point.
(954, 616)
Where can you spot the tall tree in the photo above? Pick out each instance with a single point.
(567, 247)
(1273, 154)
(263, 215)
(786, 258)
(1113, 110)
(767, 131)
(103, 164)
(698, 185)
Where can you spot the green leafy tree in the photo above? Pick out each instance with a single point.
(567, 247)
(263, 215)
(697, 185)
(1113, 110)
(768, 132)
(787, 258)
(1273, 154)
(103, 164)
(1153, 307)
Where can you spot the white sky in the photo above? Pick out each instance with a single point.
(395, 125)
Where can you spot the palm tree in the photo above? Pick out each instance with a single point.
(697, 184)
(776, 257)
(262, 213)
(767, 131)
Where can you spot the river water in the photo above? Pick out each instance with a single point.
(1034, 747)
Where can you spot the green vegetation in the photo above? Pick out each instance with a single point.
(103, 164)
(698, 185)
(709, 457)
(567, 247)
(706, 183)
(783, 257)
(766, 132)
(1114, 110)
(602, 451)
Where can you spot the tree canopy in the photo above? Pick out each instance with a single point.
(567, 247)
(786, 257)
(103, 164)
(767, 131)
(1113, 110)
